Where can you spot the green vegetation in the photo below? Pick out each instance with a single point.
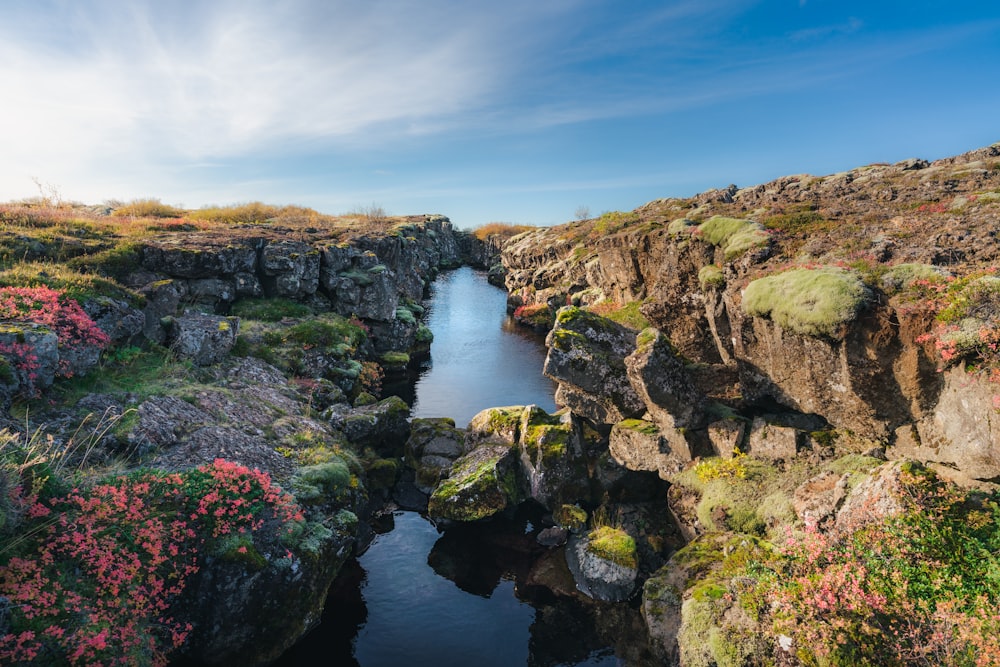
(80, 287)
(798, 219)
(272, 309)
(901, 276)
(571, 517)
(733, 235)
(628, 315)
(613, 544)
(711, 277)
(811, 302)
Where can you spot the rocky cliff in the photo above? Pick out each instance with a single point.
(861, 303)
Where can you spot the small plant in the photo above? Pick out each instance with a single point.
(613, 544)
(733, 235)
(719, 468)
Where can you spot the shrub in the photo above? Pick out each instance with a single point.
(811, 302)
(107, 562)
(920, 588)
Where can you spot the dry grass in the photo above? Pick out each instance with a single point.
(504, 230)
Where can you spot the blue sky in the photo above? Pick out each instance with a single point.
(519, 111)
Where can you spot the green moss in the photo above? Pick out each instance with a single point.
(240, 549)
(323, 481)
(639, 426)
(733, 235)
(811, 302)
(681, 226)
(901, 276)
(395, 359)
(613, 544)
(424, 335)
(6, 371)
(711, 277)
(405, 315)
(311, 536)
(270, 309)
(630, 316)
(360, 278)
(476, 490)
(382, 473)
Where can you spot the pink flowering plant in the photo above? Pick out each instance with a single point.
(922, 588)
(56, 312)
(95, 582)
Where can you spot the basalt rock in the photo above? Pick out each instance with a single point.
(205, 339)
(482, 483)
(587, 357)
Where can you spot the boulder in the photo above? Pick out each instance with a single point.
(726, 436)
(639, 444)
(431, 449)
(163, 298)
(21, 340)
(249, 608)
(771, 441)
(817, 500)
(599, 575)
(586, 356)
(115, 317)
(552, 458)
(383, 426)
(660, 378)
(205, 339)
(482, 483)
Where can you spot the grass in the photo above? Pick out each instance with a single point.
(711, 277)
(270, 309)
(627, 315)
(502, 230)
(810, 302)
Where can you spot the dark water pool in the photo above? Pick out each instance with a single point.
(474, 596)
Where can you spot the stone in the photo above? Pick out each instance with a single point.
(163, 298)
(431, 449)
(382, 426)
(482, 483)
(638, 444)
(597, 577)
(291, 268)
(771, 441)
(660, 378)
(115, 317)
(199, 256)
(586, 354)
(25, 338)
(553, 536)
(205, 339)
(552, 459)
(726, 436)
(817, 500)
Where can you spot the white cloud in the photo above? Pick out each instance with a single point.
(134, 86)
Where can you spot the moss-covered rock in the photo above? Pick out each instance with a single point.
(482, 483)
(810, 302)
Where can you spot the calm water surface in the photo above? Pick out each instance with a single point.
(464, 598)
(479, 358)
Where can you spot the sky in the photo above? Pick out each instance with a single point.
(521, 111)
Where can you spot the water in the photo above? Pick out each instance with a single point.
(479, 358)
(479, 594)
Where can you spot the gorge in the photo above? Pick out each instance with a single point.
(775, 438)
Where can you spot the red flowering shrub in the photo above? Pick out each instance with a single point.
(53, 310)
(108, 562)
(918, 589)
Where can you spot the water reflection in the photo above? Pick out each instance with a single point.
(462, 598)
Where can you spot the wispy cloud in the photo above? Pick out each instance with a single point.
(212, 80)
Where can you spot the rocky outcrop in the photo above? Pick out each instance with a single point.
(367, 275)
(587, 358)
(204, 339)
(763, 306)
(481, 484)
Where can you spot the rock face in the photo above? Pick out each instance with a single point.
(692, 265)
(204, 339)
(367, 275)
(587, 358)
(482, 483)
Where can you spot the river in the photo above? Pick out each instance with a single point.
(469, 596)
